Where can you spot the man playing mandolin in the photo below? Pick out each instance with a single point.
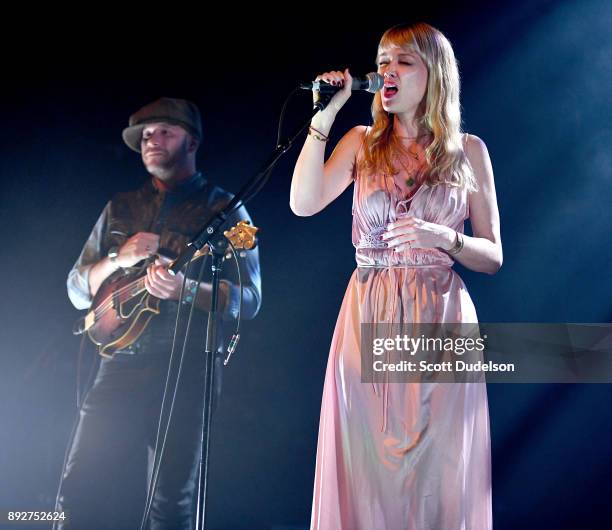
(133, 241)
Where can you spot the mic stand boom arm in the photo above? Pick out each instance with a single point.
(214, 224)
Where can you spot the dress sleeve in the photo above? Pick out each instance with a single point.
(78, 277)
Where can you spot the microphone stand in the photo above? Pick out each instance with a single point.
(209, 369)
(206, 235)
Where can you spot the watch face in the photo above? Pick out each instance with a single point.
(113, 252)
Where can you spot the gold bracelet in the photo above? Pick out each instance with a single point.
(458, 246)
(320, 136)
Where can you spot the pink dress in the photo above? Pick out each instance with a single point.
(400, 456)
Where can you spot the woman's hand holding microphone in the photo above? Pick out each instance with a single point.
(323, 120)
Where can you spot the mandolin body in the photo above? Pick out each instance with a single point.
(120, 311)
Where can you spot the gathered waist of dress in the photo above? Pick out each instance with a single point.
(401, 266)
(371, 251)
(410, 258)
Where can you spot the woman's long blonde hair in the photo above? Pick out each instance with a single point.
(439, 112)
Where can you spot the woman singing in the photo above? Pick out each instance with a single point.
(398, 456)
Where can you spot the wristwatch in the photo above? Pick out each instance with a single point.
(112, 254)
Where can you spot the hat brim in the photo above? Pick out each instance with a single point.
(132, 136)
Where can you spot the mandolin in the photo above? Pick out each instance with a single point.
(122, 307)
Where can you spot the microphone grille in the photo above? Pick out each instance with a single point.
(376, 82)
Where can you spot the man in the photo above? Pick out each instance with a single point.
(118, 421)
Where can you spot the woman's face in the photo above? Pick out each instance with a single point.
(405, 76)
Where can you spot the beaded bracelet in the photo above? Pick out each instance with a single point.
(191, 288)
(320, 136)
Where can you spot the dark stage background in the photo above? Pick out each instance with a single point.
(536, 88)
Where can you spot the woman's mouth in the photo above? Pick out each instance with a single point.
(389, 91)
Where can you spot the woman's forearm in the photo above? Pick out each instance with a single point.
(480, 255)
(307, 185)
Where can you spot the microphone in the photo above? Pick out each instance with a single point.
(372, 82)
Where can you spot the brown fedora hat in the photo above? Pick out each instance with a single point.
(169, 110)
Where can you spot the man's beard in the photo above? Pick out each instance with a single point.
(166, 169)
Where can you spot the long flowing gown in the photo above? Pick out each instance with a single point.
(401, 456)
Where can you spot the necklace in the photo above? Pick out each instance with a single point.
(411, 179)
(412, 137)
(412, 172)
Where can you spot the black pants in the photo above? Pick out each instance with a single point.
(111, 455)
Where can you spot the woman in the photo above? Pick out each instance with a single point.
(411, 455)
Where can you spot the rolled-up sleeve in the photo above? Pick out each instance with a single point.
(78, 277)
